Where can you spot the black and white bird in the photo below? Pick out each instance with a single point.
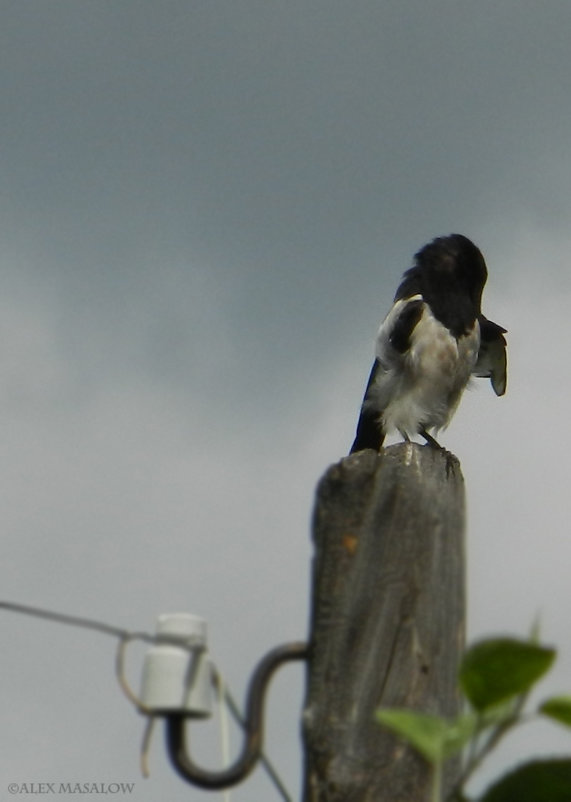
(432, 341)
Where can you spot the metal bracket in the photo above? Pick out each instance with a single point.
(175, 724)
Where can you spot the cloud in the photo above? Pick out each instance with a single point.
(205, 212)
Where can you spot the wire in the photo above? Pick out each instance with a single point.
(224, 731)
(146, 745)
(125, 637)
(72, 620)
(124, 641)
(222, 693)
(234, 709)
(98, 626)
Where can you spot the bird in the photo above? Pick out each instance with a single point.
(430, 344)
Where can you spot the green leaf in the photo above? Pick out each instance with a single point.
(498, 669)
(434, 737)
(422, 730)
(459, 731)
(558, 708)
(538, 781)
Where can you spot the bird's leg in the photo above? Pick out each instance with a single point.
(405, 436)
(429, 439)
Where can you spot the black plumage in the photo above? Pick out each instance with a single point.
(432, 340)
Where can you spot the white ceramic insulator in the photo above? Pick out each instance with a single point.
(178, 678)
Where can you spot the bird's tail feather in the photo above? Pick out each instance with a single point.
(369, 433)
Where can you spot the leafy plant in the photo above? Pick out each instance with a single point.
(496, 677)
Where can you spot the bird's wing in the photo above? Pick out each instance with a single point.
(395, 332)
(492, 355)
(393, 341)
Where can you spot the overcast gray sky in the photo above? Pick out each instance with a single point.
(205, 209)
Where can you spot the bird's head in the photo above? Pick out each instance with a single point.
(454, 263)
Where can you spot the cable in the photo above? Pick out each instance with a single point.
(220, 688)
(72, 620)
(222, 692)
(146, 745)
(253, 725)
(93, 624)
(234, 709)
(125, 637)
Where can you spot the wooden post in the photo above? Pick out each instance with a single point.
(387, 622)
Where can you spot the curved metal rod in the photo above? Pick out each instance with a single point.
(253, 726)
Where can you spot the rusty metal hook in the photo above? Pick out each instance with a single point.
(253, 726)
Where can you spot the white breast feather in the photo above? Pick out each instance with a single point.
(422, 387)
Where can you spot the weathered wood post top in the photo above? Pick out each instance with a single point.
(387, 618)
